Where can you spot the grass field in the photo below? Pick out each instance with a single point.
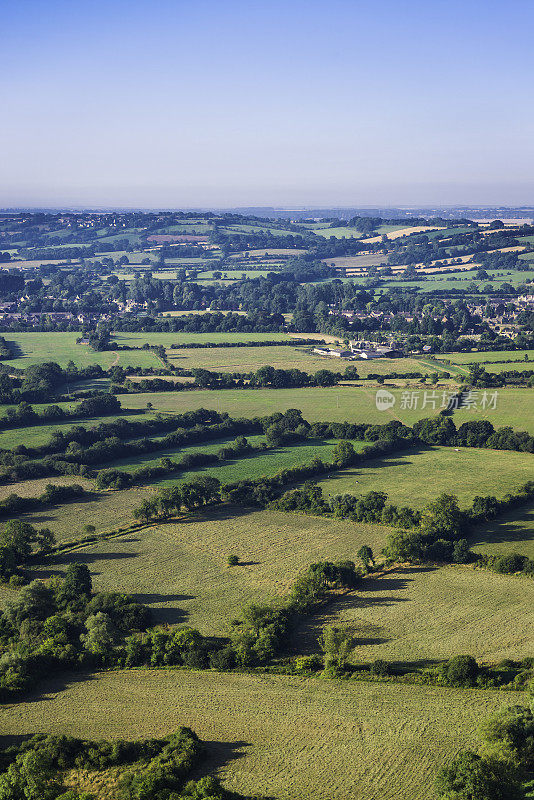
(416, 477)
(288, 738)
(105, 510)
(421, 613)
(490, 355)
(36, 435)
(168, 339)
(254, 466)
(514, 407)
(512, 533)
(347, 403)
(249, 359)
(180, 568)
(35, 348)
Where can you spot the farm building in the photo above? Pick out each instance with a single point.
(333, 351)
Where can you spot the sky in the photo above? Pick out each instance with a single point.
(205, 103)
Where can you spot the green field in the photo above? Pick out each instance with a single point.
(512, 533)
(254, 466)
(36, 435)
(334, 404)
(489, 355)
(421, 613)
(105, 510)
(180, 568)
(183, 337)
(250, 359)
(414, 478)
(288, 738)
(514, 407)
(35, 348)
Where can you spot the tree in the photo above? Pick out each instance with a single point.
(471, 777)
(336, 644)
(365, 554)
(442, 519)
(75, 590)
(510, 734)
(101, 634)
(343, 454)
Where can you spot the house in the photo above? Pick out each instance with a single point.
(370, 354)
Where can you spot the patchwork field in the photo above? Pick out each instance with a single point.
(288, 738)
(180, 568)
(414, 478)
(417, 614)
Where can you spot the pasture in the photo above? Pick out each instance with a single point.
(36, 348)
(415, 477)
(180, 568)
(334, 404)
(285, 737)
(184, 337)
(511, 533)
(36, 435)
(424, 613)
(513, 407)
(250, 359)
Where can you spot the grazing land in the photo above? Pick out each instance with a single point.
(180, 568)
(335, 404)
(35, 348)
(417, 614)
(414, 478)
(288, 738)
(512, 533)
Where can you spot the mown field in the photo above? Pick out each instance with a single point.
(183, 337)
(422, 613)
(415, 477)
(249, 359)
(334, 404)
(287, 738)
(180, 568)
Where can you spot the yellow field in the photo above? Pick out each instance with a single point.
(287, 738)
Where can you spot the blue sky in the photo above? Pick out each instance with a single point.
(172, 103)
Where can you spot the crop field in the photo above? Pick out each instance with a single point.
(414, 478)
(35, 348)
(512, 533)
(180, 568)
(334, 404)
(285, 737)
(421, 613)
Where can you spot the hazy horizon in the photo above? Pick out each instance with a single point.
(202, 105)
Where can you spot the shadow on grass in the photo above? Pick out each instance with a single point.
(513, 528)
